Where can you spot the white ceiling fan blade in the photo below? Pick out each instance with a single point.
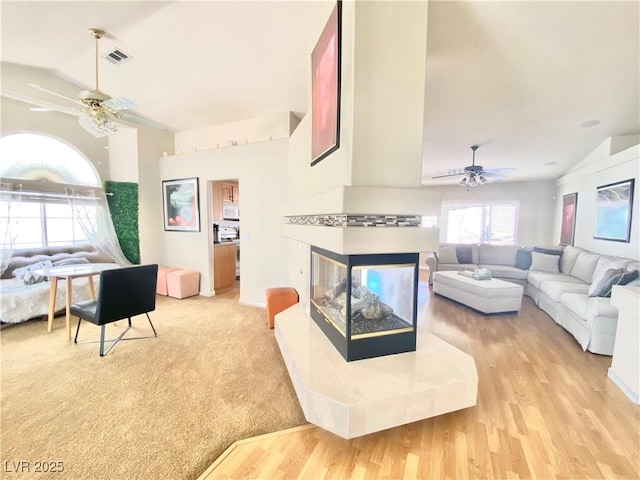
(69, 110)
(131, 118)
(120, 103)
(51, 92)
(27, 99)
(499, 170)
(488, 174)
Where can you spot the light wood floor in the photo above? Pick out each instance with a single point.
(545, 410)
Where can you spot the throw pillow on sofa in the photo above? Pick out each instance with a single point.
(601, 284)
(624, 278)
(447, 255)
(585, 266)
(464, 253)
(523, 259)
(602, 273)
(544, 262)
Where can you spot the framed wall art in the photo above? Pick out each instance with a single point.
(568, 229)
(614, 203)
(325, 88)
(180, 199)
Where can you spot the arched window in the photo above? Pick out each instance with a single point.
(41, 167)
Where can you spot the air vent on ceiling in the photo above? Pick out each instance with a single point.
(117, 56)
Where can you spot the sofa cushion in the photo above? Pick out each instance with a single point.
(497, 254)
(447, 255)
(555, 289)
(523, 258)
(577, 303)
(536, 278)
(585, 266)
(543, 262)
(568, 258)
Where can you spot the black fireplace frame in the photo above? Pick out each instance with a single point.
(374, 346)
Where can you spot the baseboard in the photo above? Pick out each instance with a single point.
(252, 304)
(631, 395)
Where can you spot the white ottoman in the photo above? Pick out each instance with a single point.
(486, 296)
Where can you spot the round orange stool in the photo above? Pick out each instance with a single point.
(279, 299)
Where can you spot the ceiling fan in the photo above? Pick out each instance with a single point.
(476, 174)
(97, 111)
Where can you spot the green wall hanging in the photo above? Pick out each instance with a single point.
(122, 198)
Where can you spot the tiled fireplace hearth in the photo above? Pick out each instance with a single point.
(354, 351)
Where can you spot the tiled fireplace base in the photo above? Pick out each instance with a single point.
(351, 399)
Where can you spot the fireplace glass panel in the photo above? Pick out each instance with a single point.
(365, 304)
(381, 300)
(328, 275)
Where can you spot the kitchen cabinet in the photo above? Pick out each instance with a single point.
(216, 192)
(230, 192)
(224, 266)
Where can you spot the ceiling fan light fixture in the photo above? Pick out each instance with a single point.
(472, 181)
(98, 126)
(464, 180)
(482, 180)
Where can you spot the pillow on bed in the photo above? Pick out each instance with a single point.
(70, 261)
(27, 276)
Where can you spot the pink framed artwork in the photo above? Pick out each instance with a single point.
(325, 88)
(567, 231)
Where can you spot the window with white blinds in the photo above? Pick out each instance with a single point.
(485, 223)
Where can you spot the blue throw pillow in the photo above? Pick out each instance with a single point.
(548, 251)
(464, 253)
(523, 259)
(619, 279)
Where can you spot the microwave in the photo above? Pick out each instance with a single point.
(230, 211)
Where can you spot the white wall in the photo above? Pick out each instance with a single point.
(253, 130)
(17, 118)
(150, 144)
(585, 180)
(536, 210)
(261, 171)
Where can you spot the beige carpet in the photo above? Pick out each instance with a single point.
(161, 408)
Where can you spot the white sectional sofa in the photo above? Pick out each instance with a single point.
(572, 285)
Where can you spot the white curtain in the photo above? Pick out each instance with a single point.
(91, 211)
(9, 198)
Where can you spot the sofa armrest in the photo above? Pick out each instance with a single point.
(600, 307)
(432, 262)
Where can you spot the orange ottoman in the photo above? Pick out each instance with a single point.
(161, 287)
(183, 283)
(279, 299)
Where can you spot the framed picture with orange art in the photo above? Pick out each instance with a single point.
(180, 199)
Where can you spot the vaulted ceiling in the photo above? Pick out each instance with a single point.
(516, 78)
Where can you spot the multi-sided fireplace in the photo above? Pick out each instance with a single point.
(365, 304)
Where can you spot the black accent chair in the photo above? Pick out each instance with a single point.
(123, 293)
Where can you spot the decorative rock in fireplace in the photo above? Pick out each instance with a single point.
(365, 304)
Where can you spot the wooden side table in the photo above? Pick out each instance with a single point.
(70, 272)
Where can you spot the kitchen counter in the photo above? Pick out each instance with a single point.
(227, 244)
